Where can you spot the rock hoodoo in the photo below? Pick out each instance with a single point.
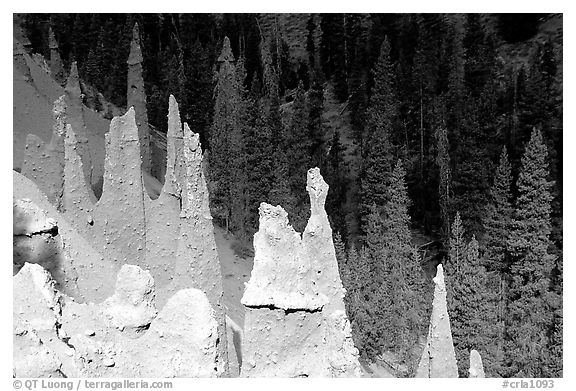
(438, 358)
(136, 98)
(75, 117)
(123, 193)
(293, 325)
(476, 367)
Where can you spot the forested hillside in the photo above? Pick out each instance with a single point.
(440, 136)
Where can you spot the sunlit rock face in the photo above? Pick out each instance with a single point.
(295, 324)
(438, 358)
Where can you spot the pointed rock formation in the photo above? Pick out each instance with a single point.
(78, 200)
(438, 358)
(295, 324)
(197, 263)
(56, 67)
(318, 243)
(163, 214)
(119, 216)
(44, 163)
(75, 117)
(476, 367)
(43, 235)
(136, 98)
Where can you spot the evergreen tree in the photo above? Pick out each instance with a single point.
(336, 179)
(445, 183)
(498, 216)
(404, 319)
(473, 312)
(382, 112)
(532, 302)
(457, 246)
(227, 165)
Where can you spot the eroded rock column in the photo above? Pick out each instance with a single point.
(476, 367)
(136, 98)
(291, 328)
(75, 117)
(438, 358)
(119, 216)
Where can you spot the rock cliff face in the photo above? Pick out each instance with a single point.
(295, 325)
(136, 98)
(438, 358)
(124, 336)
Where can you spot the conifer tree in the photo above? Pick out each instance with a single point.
(532, 304)
(457, 246)
(473, 312)
(403, 320)
(444, 185)
(382, 111)
(227, 166)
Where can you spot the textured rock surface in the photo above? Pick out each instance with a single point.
(75, 117)
(318, 244)
(78, 200)
(136, 98)
(163, 214)
(197, 264)
(295, 324)
(79, 270)
(438, 358)
(282, 276)
(119, 217)
(38, 350)
(476, 367)
(124, 336)
(44, 163)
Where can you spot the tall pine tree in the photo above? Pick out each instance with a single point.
(532, 301)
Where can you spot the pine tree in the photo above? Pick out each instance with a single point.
(336, 179)
(532, 302)
(473, 312)
(227, 165)
(457, 246)
(498, 216)
(445, 183)
(402, 286)
(382, 112)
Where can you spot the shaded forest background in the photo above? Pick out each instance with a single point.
(440, 136)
